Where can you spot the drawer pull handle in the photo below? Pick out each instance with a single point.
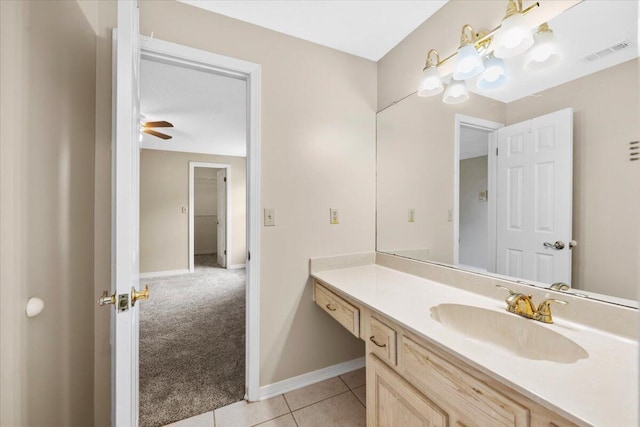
(372, 338)
(330, 307)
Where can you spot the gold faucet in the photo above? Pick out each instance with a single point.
(522, 305)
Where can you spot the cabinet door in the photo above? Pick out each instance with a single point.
(393, 402)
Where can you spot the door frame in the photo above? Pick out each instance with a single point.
(173, 53)
(488, 125)
(192, 213)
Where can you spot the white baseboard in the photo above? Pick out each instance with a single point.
(163, 273)
(236, 266)
(309, 378)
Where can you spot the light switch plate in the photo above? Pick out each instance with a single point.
(412, 215)
(269, 217)
(333, 216)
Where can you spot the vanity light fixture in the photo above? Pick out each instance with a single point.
(545, 51)
(480, 54)
(468, 62)
(456, 92)
(494, 74)
(514, 36)
(430, 82)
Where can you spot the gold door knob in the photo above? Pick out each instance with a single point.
(106, 299)
(135, 296)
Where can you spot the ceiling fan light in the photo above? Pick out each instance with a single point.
(513, 38)
(545, 51)
(494, 74)
(468, 63)
(430, 82)
(456, 92)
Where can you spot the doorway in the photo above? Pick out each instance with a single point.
(474, 184)
(194, 338)
(210, 217)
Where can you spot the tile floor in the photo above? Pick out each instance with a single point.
(336, 402)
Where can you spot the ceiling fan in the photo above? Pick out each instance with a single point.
(147, 127)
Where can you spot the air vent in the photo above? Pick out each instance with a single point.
(606, 52)
(634, 151)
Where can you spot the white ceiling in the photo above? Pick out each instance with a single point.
(208, 111)
(474, 142)
(364, 28)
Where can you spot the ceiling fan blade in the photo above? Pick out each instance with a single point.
(157, 134)
(160, 124)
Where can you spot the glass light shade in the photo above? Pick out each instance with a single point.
(430, 83)
(513, 38)
(544, 53)
(468, 63)
(456, 92)
(494, 74)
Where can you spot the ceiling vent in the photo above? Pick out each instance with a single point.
(606, 52)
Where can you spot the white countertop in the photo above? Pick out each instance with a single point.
(601, 390)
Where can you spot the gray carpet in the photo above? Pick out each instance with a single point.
(192, 343)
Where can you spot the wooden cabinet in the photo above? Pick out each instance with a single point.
(412, 382)
(393, 402)
(475, 403)
(337, 307)
(383, 339)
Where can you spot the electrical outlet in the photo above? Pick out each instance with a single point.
(269, 217)
(412, 215)
(333, 216)
(450, 215)
(185, 210)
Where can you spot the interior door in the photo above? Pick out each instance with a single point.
(534, 198)
(221, 195)
(125, 222)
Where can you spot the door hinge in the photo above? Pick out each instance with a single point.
(496, 151)
(225, 179)
(248, 256)
(225, 251)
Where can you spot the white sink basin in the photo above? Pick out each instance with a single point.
(522, 337)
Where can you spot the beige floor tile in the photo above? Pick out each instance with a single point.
(315, 393)
(343, 410)
(243, 414)
(202, 420)
(361, 394)
(283, 421)
(355, 379)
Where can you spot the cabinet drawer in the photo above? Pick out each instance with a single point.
(477, 403)
(346, 314)
(382, 339)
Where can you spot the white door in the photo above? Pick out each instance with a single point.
(221, 176)
(534, 198)
(126, 177)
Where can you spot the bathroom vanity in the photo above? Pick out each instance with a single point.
(440, 355)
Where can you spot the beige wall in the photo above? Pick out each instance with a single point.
(606, 185)
(164, 189)
(205, 211)
(48, 61)
(318, 152)
(415, 170)
(474, 213)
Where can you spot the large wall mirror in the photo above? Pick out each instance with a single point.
(535, 181)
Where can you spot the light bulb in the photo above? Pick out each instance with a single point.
(513, 38)
(430, 83)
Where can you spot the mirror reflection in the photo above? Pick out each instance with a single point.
(534, 180)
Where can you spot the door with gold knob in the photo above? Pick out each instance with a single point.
(125, 290)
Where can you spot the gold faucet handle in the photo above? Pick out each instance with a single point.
(506, 289)
(543, 314)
